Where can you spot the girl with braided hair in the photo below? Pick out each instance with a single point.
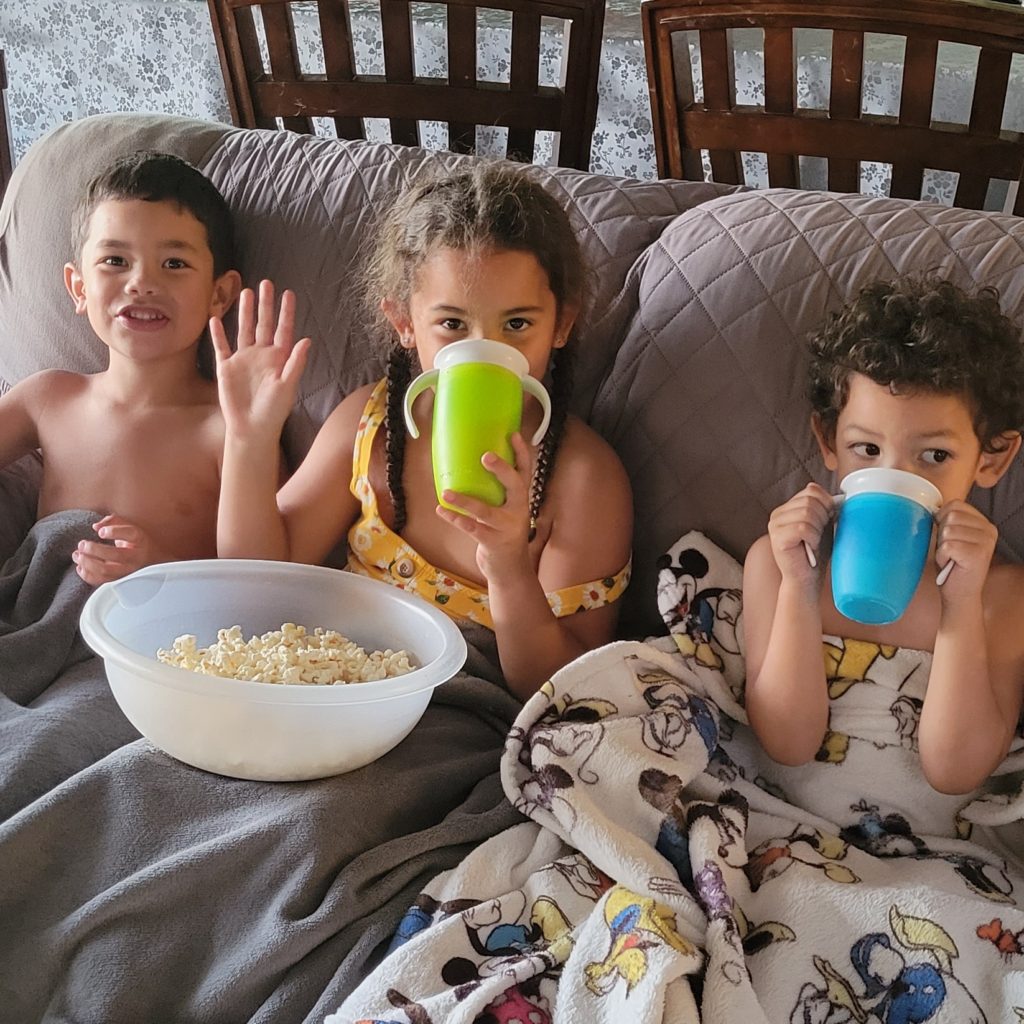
(483, 254)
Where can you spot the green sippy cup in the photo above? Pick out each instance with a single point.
(479, 387)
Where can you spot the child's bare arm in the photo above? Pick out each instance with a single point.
(20, 409)
(786, 693)
(257, 385)
(974, 690)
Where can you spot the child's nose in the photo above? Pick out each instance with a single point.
(141, 281)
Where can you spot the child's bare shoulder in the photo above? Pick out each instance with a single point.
(1004, 595)
(584, 453)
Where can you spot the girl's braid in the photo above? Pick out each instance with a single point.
(561, 392)
(399, 374)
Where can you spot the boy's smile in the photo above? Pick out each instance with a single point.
(145, 278)
(923, 432)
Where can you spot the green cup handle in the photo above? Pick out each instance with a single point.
(534, 387)
(419, 385)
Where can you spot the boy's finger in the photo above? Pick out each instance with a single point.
(286, 319)
(221, 346)
(246, 322)
(265, 315)
(296, 361)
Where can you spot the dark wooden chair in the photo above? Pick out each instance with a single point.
(6, 157)
(979, 151)
(259, 95)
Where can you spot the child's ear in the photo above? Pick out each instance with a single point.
(76, 287)
(399, 318)
(225, 291)
(566, 320)
(826, 442)
(992, 465)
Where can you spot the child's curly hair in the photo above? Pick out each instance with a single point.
(923, 334)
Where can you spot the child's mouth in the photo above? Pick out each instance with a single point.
(142, 319)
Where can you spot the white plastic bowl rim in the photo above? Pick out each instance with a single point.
(104, 643)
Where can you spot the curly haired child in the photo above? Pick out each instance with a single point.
(916, 375)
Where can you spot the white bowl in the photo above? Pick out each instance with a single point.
(254, 730)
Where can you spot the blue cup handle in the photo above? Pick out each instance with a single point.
(812, 558)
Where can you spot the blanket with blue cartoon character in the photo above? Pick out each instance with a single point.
(671, 871)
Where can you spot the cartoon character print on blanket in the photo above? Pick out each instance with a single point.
(671, 871)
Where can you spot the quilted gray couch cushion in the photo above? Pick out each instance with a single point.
(705, 400)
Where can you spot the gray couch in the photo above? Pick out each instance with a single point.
(133, 888)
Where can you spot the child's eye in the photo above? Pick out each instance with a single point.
(175, 264)
(936, 456)
(451, 323)
(113, 261)
(866, 449)
(518, 323)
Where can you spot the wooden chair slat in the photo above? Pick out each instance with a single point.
(396, 29)
(783, 170)
(990, 91)
(284, 56)
(726, 166)
(847, 74)
(461, 71)
(524, 72)
(918, 80)
(339, 59)
(971, 190)
(717, 70)
(907, 180)
(779, 71)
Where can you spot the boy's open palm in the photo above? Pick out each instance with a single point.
(257, 383)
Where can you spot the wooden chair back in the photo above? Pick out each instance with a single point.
(6, 154)
(260, 94)
(911, 142)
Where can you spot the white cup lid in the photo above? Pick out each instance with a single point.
(878, 479)
(482, 350)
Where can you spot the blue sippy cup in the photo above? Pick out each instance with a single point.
(882, 538)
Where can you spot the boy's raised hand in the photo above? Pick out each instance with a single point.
(257, 383)
(968, 540)
(800, 521)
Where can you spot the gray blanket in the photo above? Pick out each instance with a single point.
(135, 888)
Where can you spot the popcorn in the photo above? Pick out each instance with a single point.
(290, 654)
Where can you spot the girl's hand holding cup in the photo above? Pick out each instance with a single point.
(502, 532)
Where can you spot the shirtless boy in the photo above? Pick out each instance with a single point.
(142, 439)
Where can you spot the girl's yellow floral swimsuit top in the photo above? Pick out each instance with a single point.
(375, 550)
